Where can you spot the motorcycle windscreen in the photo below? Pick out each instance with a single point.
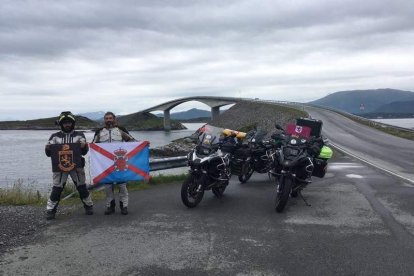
(259, 135)
(209, 140)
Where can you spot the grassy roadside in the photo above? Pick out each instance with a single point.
(390, 130)
(18, 194)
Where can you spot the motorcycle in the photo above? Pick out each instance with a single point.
(293, 165)
(209, 170)
(259, 151)
(248, 154)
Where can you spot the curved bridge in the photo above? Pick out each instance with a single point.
(214, 102)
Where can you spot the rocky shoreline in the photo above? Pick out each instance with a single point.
(243, 116)
(177, 147)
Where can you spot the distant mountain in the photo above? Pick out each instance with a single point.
(96, 116)
(397, 107)
(371, 100)
(193, 113)
(134, 121)
(393, 110)
(48, 123)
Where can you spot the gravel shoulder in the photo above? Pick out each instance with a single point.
(20, 225)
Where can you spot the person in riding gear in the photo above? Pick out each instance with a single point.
(108, 134)
(66, 135)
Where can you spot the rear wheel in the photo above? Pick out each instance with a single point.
(190, 195)
(282, 196)
(249, 171)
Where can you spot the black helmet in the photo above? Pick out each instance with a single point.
(66, 116)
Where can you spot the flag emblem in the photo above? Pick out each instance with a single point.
(66, 159)
(119, 162)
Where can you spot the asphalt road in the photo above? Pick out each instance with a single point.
(384, 150)
(360, 223)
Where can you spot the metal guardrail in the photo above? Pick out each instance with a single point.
(168, 163)
(155, 165)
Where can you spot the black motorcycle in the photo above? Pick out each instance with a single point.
(248, 155)
(258, 157)
(293, 165)
(209, 170)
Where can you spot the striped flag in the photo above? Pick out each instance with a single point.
(119, 162)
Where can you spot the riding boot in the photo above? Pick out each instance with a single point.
(124, 210)
(110, 209)
(50, 214)
(88, 210)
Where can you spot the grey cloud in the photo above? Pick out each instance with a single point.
(55, 28)
(133, 54)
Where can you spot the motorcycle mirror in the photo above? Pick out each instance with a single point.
(277, 126)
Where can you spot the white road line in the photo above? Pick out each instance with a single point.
(354, 176)
(370, 163)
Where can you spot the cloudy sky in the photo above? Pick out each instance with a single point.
(124, 56)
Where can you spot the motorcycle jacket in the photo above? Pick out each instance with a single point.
(70, 137)
(109, 135)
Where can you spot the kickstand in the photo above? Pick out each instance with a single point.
(307, 204)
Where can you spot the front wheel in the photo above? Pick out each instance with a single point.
(246, 176)
(190, 194)
(282, 196)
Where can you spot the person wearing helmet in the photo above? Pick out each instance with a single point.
(67, 134)
(108, 134)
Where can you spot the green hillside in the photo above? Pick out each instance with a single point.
(397, 107)
(392, 110)
(350, 101)
(135, 121)
(145, 121)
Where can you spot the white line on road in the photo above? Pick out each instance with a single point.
(371, 164)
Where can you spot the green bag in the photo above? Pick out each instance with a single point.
(326, 153)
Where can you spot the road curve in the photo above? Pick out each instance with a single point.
(381, 149)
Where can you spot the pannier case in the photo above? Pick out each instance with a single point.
(321, 162)
(320, 167)
(315, 125)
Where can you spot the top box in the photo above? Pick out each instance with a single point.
(315, 125)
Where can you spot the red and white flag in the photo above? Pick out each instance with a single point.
(119, 162)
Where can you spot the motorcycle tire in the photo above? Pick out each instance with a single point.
(218, 191)
(282, 196)
(245, 177)
(189, 194)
